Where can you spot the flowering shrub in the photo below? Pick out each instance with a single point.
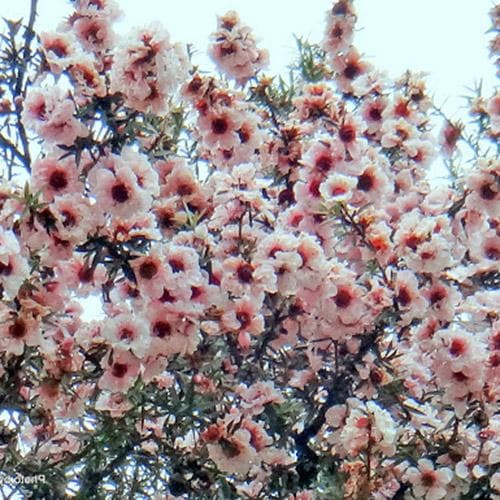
(290, 309)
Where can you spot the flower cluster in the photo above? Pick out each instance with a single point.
(234, 49)
(285, 306)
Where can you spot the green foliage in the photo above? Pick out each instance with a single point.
(311, 62)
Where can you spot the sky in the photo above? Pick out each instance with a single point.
(445, 38)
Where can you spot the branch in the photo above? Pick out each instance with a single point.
(26, 50)
(20, 90)
(4, 142)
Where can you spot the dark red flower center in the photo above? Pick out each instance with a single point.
(176, 264)
(460, 376)
(126, 334)
(347, 133)
(167, 297)
(244, 272)
(58, 47)
(404, 297)
(375, 114)
(184, 190)
(376, 376)
(58, 180)
(5, 269)
(195, 84)
(119, 193)
(148, 270)
(243, 134)
(487, 192)
(351, 71)
(401, 109)
(343, 298)
(244, 318)
(69, 220)
(436, 296)
(492, 253)
(412, 241)
(119, 370)
(286, 196)
(457, 347)
(365, 182)
(314, 187)
(340, 9)
(219, 126)
(18, 329)
(227, 50)
(229, 447)
(85, 274)
(428, 479)
(166, 219)
(324, 163)
(162, 329)
(496, 341)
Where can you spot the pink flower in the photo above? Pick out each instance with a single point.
(337, 188)
(368, 424)
(55, 177)
(493, 110)
(443, 300)
(302, 495)
(151, 273)
(408, 296)
(339, 28)
(178, 179)
(50, 113)
(348, 67)
(450, 135)
(426, 242)
(372, 110)
(219, 127)
(350, 134)
(86, 78)
(114, 403)
(148, 69)
(14, 267)
(182, 265)
(484, 188)
(316, 101)
(171, 333)
(459, 364)
(118, 192)
(91, 23)
(121, 369)
(256, 396)
(244, 278)
(75, 219)
(428, 482)
(279, 250)
(234, 49)
(396, 132)
(127, 331)
(233, 453)
(17, 331)
(244, 316)
(346, 304)
(59, 49)
(372, 181)
(484, 247)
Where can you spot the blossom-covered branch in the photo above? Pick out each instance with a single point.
(286, 305)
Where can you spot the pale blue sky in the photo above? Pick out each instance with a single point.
(445, 38)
